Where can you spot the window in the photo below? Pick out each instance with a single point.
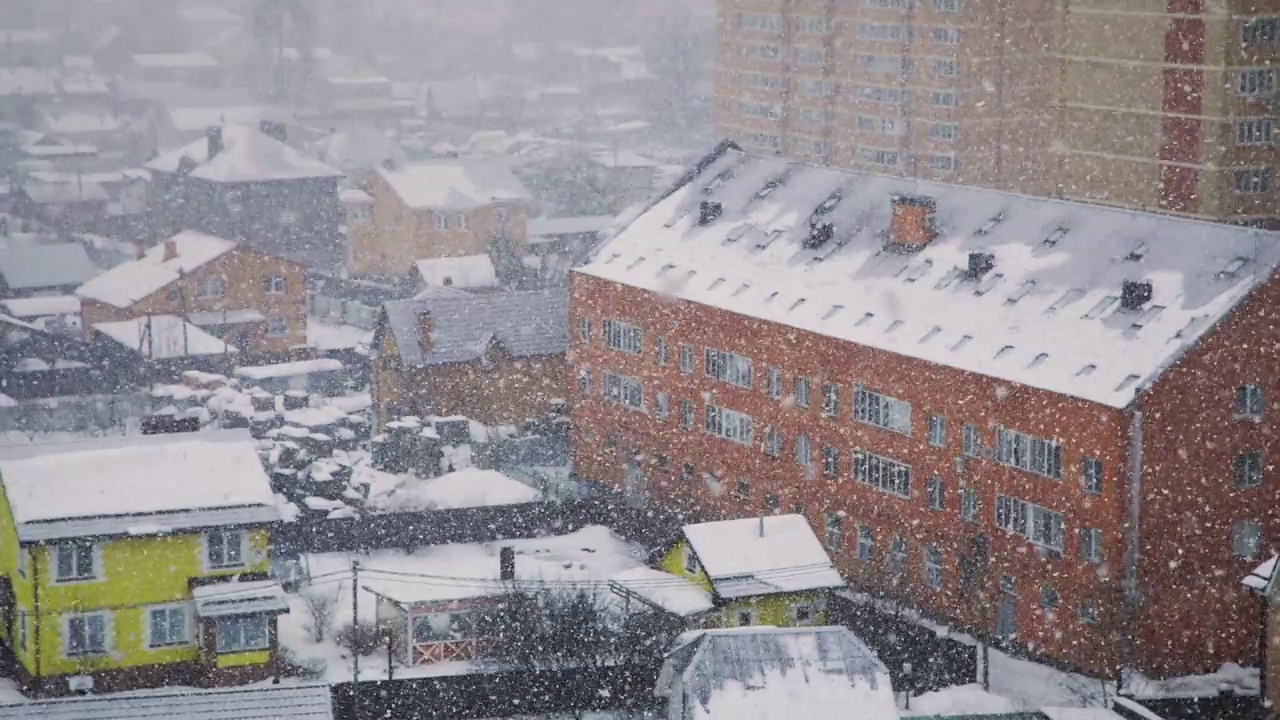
(1040, 525)
(830, 461)
(1088, 612)
(818, 88)
(730, 367)
(584, 381)
(881, 95)
(1254, 131)
(442, 221)
(881, 31)
(1008, 585)
(866, 543)
(275, 285)
(729, 424)
(882, 411)
(745, 618)
(944, 35)
(775, 383)
(937, 431)
(944, 131)
(1257, 82)
(937, 493)
(969, 505)
(686, 358)
(584, 330)
(691, 561)
(1246, 538)
(764, 111)
(225, 549)
(932, 566)
(877, 156)
(623, 390)
(809, 116)
(86, 634)
(1091, 545)
(944, 98)
(945, 67)
(661, 406)
(802, 615)
(879, 125)
(772, 442)
(686, 414)
(941, 161)
(946, 6)
(743, 489)
(898, 555)
(1253, 180)
(831, 531)
(1033, 454)
(888, 475)
(243, 633)
(22, 561)
(622, 336)
(761, 81)
(76, 561)
(661, 345)
(802, 392)
(686, 472)
(812, 24)
(1260, 32)
(1091, 475)
(21, 621)
(461, 221)
(804, 453)
(277, 327)
(211, 287)
(972, 438)
(1248, 469)
(830, 399)
(760, 21)
(1249, 401)
(811, 56)
(1049, 599)
(167, 626)
(772, 504)
(761, 52)
(175, 295)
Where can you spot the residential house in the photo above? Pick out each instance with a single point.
(573, 235)
(160, 337)
(184, 125)
(278, 702)
(760, 571)
(254, 301)
(138, 566)
(41, 359)
(437, 208)
(37, 270)
(190, 68)
(823, 673)
(496, 358)
(994, 401)
(356, 95)
(78, 206)
(245, 183)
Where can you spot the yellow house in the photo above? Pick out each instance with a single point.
(760, 571)
(138, 566)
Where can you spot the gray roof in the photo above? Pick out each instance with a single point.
(40, 266)
(523, 324)
(145, 524)
(304, 702)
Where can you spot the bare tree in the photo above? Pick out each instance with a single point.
(320, 607)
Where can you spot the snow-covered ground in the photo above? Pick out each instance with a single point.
(466, 488)
(329, 336)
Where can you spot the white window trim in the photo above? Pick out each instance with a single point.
(264, 618)
(272, 285)
(108, 634)
(272, 328)
(734, 612)
(207, 283)
(188, 625)
(794, 612)
(245, 548)
(98, 571)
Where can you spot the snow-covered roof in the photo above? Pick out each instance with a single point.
(41, 306)
(466, 272)
(42, 266)
(26, 81)
(466, 488)
(83, 86)
(162, 337)
(184, 61)
(960, 701)
(76, 122)
(622, 159)
(288, 369)
(454, 183)
(277, 702)
(42, 193)
(241, 316)
(355, 196)
(764, 673)
(578, 225)
(143, 489)
(1263, 576)
(1047, 314)
(672, 593)
(247, 155)
(761, 556)
(239, 597)
(127, 283)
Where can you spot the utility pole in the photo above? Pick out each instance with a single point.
(355, 624)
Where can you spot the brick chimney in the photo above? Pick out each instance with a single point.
(912, 224)
(214, 137)
(170, 250)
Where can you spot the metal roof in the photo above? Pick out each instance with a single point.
(305, 702)
(142, 525)
(239, 598)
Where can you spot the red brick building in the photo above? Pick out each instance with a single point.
(1042, 420)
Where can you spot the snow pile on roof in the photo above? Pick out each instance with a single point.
(1261, 577)
(161, 337)
(355, 196)
(759, 556)
(959, 700)
(45, 266)
(247, 155)
(127, 283)
(454, 184)
(470, 487)
(289, 369)
(41, 306)
(468, 271)
(310, 417)
(1048, 314)
(579, 225)
(1229, 677)
(672, 593)
(766, 673)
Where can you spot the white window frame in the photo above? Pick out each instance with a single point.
(727, 366)
(972, 441)
(866, 543)
(1091, 475)
(661, 406)
(932, 566)
(187, 626)
(623, 390)
(729, 424)
(1250, 402)
(797, 608)
(775, 383)
(686, 358)
(660, 344)
(1091, 545)
(211, 287)
(772, 442)
(107, 631)
(832, 531)
(899, 555)
(584, 381)
(276, 285)
(830, 399)
(205, 547)
(735, 617)
(462, 221)
(623, 337)
(885, 474)
(937, 431)
(584, 329)
(686, 414)
(1242, 545)
(442, 221)
(970, 505)
(830, 461)
(803, 450)
(277, 327)
(1256, 82)
(242, 648)
(1036, 455)
(95, 549)
(801, 390)
(882, 411)
(936, 493)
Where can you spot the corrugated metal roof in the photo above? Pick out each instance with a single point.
(524, 324)
(143, 525)
(306, 702)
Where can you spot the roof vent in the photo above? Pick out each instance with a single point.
(1134, 294)
(708, 211)
(980, 263)
(819, 235)
(913, 221)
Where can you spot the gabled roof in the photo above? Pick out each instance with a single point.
(279, 702)
(468, 271)
(42, 266)
(523, 324)
(127, 283)
(143, 489)
(162, 337)
(1047, 315)
(454, 183)
(764, 673)
(762, 556)
(247, 155)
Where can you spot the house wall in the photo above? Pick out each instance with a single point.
(397, 236)
(244, 272)
(776, 610)
(1272, 669)
(608, 436)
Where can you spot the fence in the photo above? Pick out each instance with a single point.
(1223, 706)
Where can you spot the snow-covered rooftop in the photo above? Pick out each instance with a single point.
(761, 556)
(466, 272)
(186, 61)
(454, 183)
(247, 155)
(523, 324)
(466, 488)
(278, 702)
(1047, 314)
(569, 225)
(162, 337)
(288, 369)
(127, 283)
(672, 593)
(144, 489)
(41, 306)
(26, 81)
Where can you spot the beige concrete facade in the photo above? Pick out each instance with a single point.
(1162, 105)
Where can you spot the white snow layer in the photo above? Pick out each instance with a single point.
(469, 487)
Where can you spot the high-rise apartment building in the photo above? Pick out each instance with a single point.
(1164, 105)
